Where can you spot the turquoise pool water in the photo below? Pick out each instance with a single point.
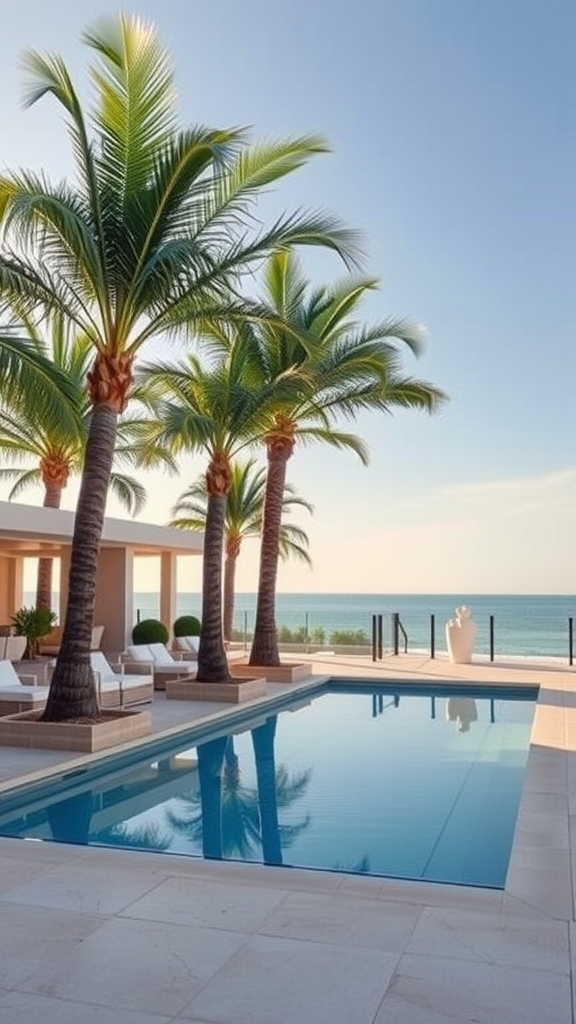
(404, 783)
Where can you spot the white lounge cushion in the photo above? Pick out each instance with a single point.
(188, 668)
(160, 654)
(187, 643)
(24, 694)
(9, 676)
(163, 660)
(107, 679)
(102, 666)
(96, 638)
(139, 652)
(15, 648)
(130, 682)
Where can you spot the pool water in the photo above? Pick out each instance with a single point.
(405, 783)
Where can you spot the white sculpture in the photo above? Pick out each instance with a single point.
(460, 636)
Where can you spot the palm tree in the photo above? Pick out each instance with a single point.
(218, 407)
(244, 505)
(345, 368)
(154, 234)
(28, 432)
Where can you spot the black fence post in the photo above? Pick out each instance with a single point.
(570, 641)
(377, 637)
(432, 637)
(396, 630)
(491, 638)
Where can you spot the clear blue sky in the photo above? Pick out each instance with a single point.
(453, 129)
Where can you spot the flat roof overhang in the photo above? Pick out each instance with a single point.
(27, 531)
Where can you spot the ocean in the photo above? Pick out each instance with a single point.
(525, 626)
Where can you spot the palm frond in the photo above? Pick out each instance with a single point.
(129, 492)
(25, 370)
(135, 111)
(25, 480)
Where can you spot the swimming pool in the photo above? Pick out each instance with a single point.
(405, 782)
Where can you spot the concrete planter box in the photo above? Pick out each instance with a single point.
(25, 730)
(288, 672)
(230, 691)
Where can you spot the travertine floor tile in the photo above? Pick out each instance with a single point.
(26, 1008)
(83, 887)
(287, 982)
(143, 966)
(502, 940)
(346, 921)
(31, 938)
(429, 990)
(206, 904)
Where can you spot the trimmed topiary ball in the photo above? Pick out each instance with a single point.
(187, 625)
(150, 631)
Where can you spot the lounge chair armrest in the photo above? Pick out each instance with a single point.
(30, 678)
(138, 668)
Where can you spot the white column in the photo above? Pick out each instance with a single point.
(168, 588)
(114, 604)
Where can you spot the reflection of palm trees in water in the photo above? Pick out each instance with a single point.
(70, 822)
(236, 821)
(145, 836)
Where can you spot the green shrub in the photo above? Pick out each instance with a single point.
(34, 624)
(187, 625)
(349, 637)
(150, 631)
(318, 635)
(298, 635)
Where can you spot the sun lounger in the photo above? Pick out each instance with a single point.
(19, 692)
(117, 686)
(157, 659)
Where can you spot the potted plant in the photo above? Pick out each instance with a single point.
(33, 623)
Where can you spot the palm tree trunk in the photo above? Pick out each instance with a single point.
(212, 663)
(265, 643)
(229, 587)
(72, 690)
(263, 743)
(52, 499)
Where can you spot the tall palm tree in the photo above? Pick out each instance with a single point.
(218, 407)
(244, 506)
(346, 367)
(155, 232)
(53, 443)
